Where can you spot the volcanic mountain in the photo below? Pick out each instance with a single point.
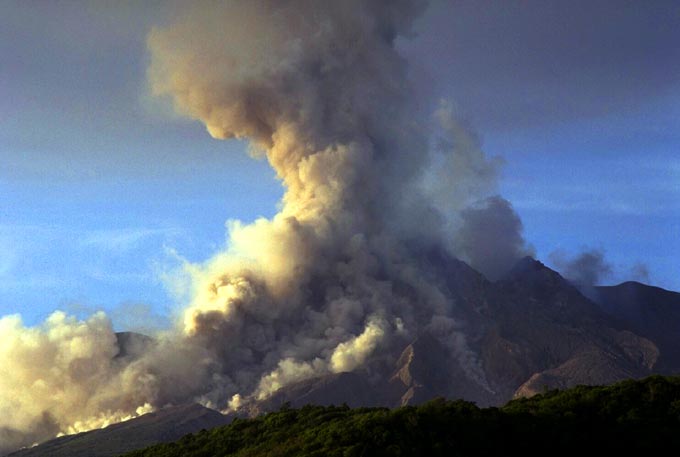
(532, 330)
(651, 312)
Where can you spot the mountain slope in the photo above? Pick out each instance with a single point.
(552, 336)
(166, 425)
(649, 311)
(529, 332)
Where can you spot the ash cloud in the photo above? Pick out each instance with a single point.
(337, 275)
(640, 272)
(590, 268)
(490, 237)
(479, 226)
(586, 269)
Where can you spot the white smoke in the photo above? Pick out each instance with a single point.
(352, 353)
(59, 378)
(337, 274)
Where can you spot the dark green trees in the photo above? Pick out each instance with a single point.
(632, 416)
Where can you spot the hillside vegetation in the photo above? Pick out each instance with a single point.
(631, 416)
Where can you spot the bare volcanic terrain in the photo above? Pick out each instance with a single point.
(533, 331)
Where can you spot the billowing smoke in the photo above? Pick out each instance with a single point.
(590, 268)
(585, 269)
(490, 237)
(68, 376)
(338, 274)
(481, 227)
(60, 378)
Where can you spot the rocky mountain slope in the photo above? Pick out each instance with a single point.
(531, 331)
(555, 337)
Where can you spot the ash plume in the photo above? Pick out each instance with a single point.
(586, 269)
(490, 237)
(337, 275)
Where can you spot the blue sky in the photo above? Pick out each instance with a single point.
(100, 184)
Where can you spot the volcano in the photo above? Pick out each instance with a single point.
(533, 329)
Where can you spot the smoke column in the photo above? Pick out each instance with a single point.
(328, 283)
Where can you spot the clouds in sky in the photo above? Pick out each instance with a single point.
(69, 267)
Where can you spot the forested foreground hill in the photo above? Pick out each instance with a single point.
(631, 416)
